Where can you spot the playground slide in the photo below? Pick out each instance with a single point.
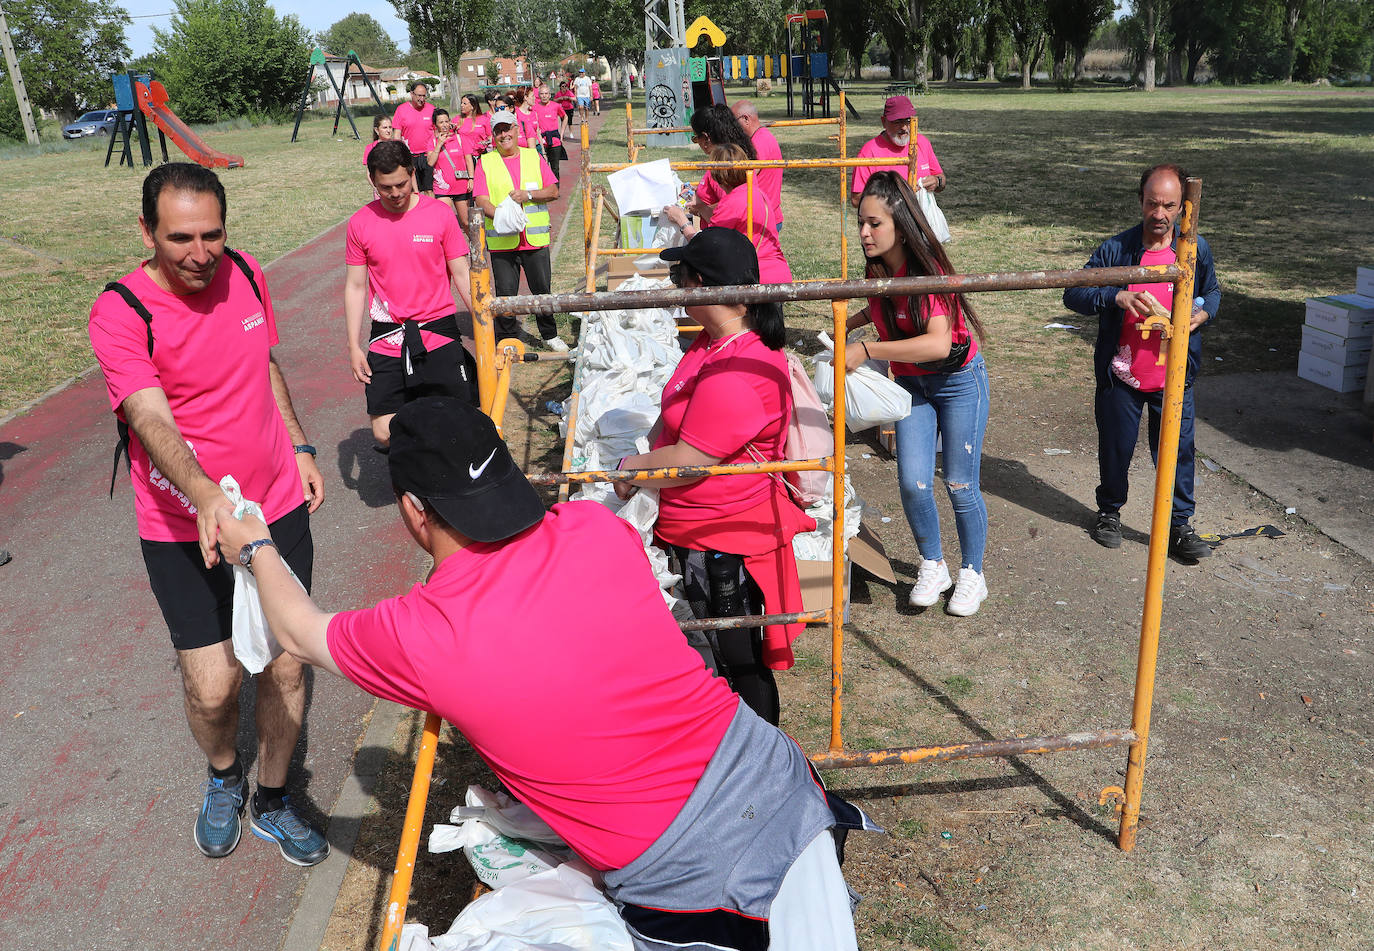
(153, 103)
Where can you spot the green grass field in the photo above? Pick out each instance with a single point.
(1037, 179)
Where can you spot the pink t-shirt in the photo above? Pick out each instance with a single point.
(723, 395)
(1136, 361)
(527, 125)
(449, 164)
(587, 702)
(906, 327)
(881, 146)
(596, 89)
(732, 211)
(549, 116)
(546, 178)
(416, 125)
(709, 191)
(407, 259)
(475, 132)
(367, 150)
(769, 179)
(210, 357)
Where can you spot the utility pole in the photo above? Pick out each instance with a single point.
(20, 93)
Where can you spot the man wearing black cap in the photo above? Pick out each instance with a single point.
(613, 731)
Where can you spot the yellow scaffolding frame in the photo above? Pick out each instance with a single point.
(494, 375)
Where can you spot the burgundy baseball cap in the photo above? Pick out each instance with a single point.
(897, 108)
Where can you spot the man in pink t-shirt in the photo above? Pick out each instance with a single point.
(406, 253)
(586, 701)
(894, 141)
(769, 180)
(184, 342)
(414, 119)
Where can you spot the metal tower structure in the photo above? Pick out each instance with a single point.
(665, 24)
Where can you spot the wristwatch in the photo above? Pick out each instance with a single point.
(304, 447)
(247, 552)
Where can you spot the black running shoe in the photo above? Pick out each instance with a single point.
(1107, 531)
(1185, 543)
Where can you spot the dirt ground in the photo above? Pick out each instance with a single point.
(1255, 825)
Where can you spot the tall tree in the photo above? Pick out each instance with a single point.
(1025, 20)
(232, 58)
(452, 27)
(613, 28)
(67, 50)
(1149, 13)
(361, 33)
(853, 23)
(1071, 25)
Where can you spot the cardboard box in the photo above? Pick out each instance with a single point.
(865, 549)
(1345, 315)
(1333, 376)
(1364, 281)
(622, 267)
(1347, 351)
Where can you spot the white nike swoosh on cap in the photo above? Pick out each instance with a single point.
(476, 473)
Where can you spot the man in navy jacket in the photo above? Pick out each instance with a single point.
(1125, 362)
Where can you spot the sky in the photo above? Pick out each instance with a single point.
(316, 17)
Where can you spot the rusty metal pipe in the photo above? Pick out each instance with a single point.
(754, 620)
(678, 472)
(705, 164)
(1170, 422)
(833, 290)
(982, 749)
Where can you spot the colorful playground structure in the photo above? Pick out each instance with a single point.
(142, 99)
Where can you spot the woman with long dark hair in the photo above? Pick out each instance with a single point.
(729, 402)
(474, 125)
(714, 126)
(931, 342)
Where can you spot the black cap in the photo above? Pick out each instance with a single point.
(722, 256)
(447, 452)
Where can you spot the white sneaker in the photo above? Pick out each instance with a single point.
(931, 581)
(970, 591)
(556, 344)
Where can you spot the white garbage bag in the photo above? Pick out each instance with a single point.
(254, 644)
(870, 398)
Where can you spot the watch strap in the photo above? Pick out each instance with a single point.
(247, 552)
(304, 447)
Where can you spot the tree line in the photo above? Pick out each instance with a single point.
(223, 59)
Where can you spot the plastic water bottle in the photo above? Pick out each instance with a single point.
(555, 407)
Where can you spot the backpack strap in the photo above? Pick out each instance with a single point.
(246, 269)
(122, 447)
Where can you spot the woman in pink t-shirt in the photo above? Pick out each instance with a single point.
(930, 344)
(474, 125)
(729, 402)
(452, 166)
(732, 211)
(714, 126)
(381, 132)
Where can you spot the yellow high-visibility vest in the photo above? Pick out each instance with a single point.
(499, 185)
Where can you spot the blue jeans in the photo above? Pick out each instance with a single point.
(956, 406)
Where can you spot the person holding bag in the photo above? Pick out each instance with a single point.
(930, 342)
(729, 402)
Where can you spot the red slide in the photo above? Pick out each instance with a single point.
(153, 104)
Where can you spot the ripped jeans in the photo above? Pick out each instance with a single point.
(956, 406)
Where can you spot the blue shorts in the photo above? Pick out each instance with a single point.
(584, 102)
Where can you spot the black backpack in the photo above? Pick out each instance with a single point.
(122, 447)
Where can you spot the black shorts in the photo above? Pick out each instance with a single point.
(446, 371)
(198, 604)
(424, 173)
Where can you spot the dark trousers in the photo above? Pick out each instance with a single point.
(505, 268)
(1118, 410)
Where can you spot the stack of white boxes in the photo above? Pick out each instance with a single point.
(1338, 337)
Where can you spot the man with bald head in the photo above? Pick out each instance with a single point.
(766, 147)
(1130, 377)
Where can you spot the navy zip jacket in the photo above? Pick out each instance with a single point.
(1126, 250)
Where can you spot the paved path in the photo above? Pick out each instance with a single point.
(99, 776)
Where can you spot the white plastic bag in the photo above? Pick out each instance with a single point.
(254, 645)
(936, 218)
(870, 398)
(558, 910)
(510, 218)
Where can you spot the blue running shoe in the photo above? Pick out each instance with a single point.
(218, 826)
(299, 843)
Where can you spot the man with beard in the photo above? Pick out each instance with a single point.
(895, 141)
